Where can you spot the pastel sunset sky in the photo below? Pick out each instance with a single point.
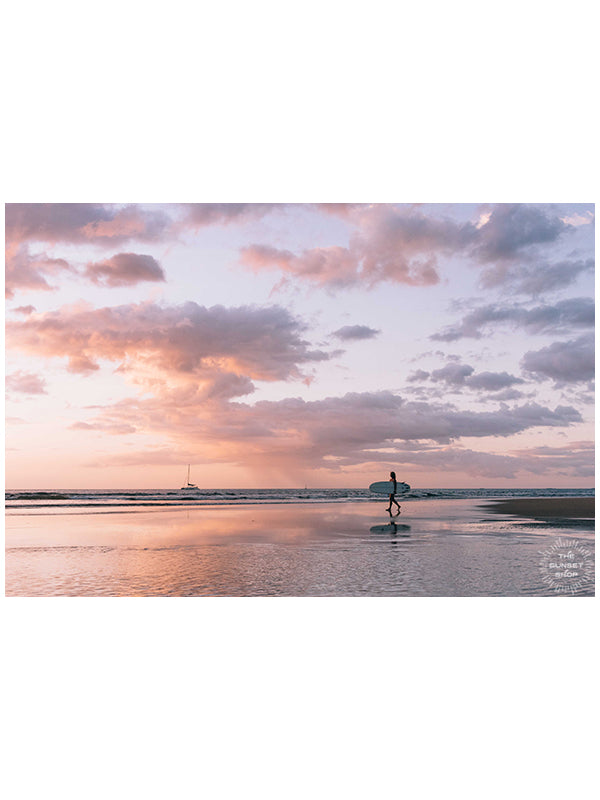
(283, 345)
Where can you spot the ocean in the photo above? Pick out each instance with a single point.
(98, 499)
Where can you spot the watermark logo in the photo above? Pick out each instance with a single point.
(567, 566)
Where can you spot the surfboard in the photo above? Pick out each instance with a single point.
(387, 487)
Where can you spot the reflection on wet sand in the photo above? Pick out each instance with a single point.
(184, 527)
(392, 528)
(449, 548)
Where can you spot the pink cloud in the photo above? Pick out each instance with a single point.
(197, 215)
(111, 223)
(26, 271)
(397, 245)
(25, 383)
(223, 348)
(124, 269)
(337, 432)
(343, 210)
(403, 244)
(335, 267)
(83, 222)
(82, 365)
(116, 429)
(104, 225)
(75, 223)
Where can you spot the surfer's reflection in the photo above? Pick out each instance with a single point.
(391, 528)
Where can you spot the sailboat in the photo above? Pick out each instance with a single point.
(189, 485)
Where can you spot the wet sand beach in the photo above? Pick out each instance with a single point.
(546, 507)
(443, 548)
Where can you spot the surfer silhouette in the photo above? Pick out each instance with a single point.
(394, 487)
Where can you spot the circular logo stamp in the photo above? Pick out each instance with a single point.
(567, 566)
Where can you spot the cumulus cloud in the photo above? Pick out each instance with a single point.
(25, 383)
(564, 362)
(25, 270)
(329, 433)
(572, 447)
(508, 394)
(30, 224)
(464, 460)
(457, 376)
(197, 215)
(573, 460)
(335, 267)
(82, 365)
(512, 227)
(104, 427)
(399, 245)
(124, 269)
(392, 243)
(513, 244)
(454, 374)
(535, 278)
(577, 312)
(109, 224)
(179, 343)
(418, 375)
(493, 381)
(84, 222)
(356, 332)
(402, 244)
(343, 210)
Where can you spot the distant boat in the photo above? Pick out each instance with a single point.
(189, 485)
